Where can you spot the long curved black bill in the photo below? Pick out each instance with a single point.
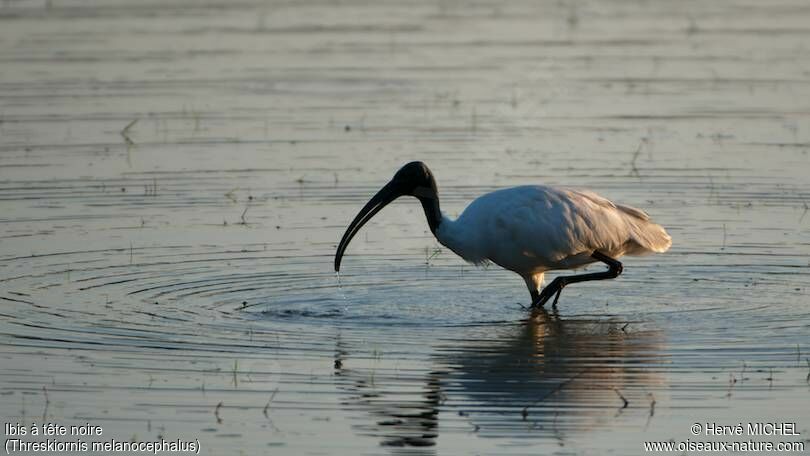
(380, 200)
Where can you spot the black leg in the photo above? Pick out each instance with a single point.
(556, 286)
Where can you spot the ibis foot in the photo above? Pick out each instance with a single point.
(553, 289)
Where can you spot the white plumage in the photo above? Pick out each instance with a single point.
(529, 230)
(534, 228)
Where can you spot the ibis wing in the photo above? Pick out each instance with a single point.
(643, 235)
(545, 226)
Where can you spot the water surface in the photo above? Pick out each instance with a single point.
(174, 180)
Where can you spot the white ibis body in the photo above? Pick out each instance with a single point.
(529, 229)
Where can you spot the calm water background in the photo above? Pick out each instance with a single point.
(174, 178)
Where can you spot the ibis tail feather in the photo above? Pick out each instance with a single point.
(646, 236)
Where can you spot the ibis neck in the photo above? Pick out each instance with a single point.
(458, 236)
(432, 212)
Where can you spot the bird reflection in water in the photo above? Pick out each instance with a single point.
(546, 377)
(403, 404)
(551, 375)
